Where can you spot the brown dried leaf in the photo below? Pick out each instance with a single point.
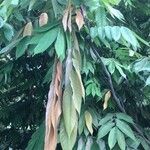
(28, 29)
(69, 20)
(79, 19)
(43, 19)
(106, 99)
(53, 109)
(65, 19)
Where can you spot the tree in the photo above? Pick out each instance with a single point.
(85, 64)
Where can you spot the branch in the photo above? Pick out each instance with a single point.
(117, 100)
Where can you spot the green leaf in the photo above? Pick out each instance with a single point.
(107, 118)
(57, 8)
(100, 17)
(8, 31)
(125, 128)
(140, 39)
(111, 67)
(15, 2)
(101, 33)
(112, 139)
(121, 139)
(93, 32)
(81, 124)
(48, 76)
(46, 41)
(104, 129)
(124, 117)
(21, 47)
(148, 81)
(32, 2)
(141, 65)
(69, 112)
(77, 90)
(2, 22)
(115, 32)
(144, 144)
(129, 37)
(81, 144)
(95, 146)
(121, 71)
(10, 46)
(46, 27)
(36, 38)
(89, 143)
(60, 45)
(37, 139)
(67, 142)
(92, 4)
(101, 144)
(115, 13)
(88, 121)
(108, 32)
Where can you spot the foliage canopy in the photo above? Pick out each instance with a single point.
(83, 63)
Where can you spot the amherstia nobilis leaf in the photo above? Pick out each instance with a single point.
(53, 109)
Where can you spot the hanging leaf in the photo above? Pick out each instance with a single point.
(107, 118)
(106, 99)
(148, 81)
(77, 65)
(121, 71)
(81, 124)
(67, 142)
(60, 45)
(65, 19)
(101, 33)
(79, 19)
(69, 112)
(88, 121)
(121, 139)
(43, 19)
(115, 32)
(89, 143)
(10, 46)
(112, 139)
(81, 144)
(53, 109)
(108, 32)
(115, 13)
(129, 37)
(15, 2)
(104, 129)
(69, 19)
(37, 139)
(77, 90)
(28, 29)
(142, 64)
(8, 31)
(32, 2)
(124, 117)
(46, 41)
(100, 16)
(144, 144)
(125, 129)
(21, 47)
